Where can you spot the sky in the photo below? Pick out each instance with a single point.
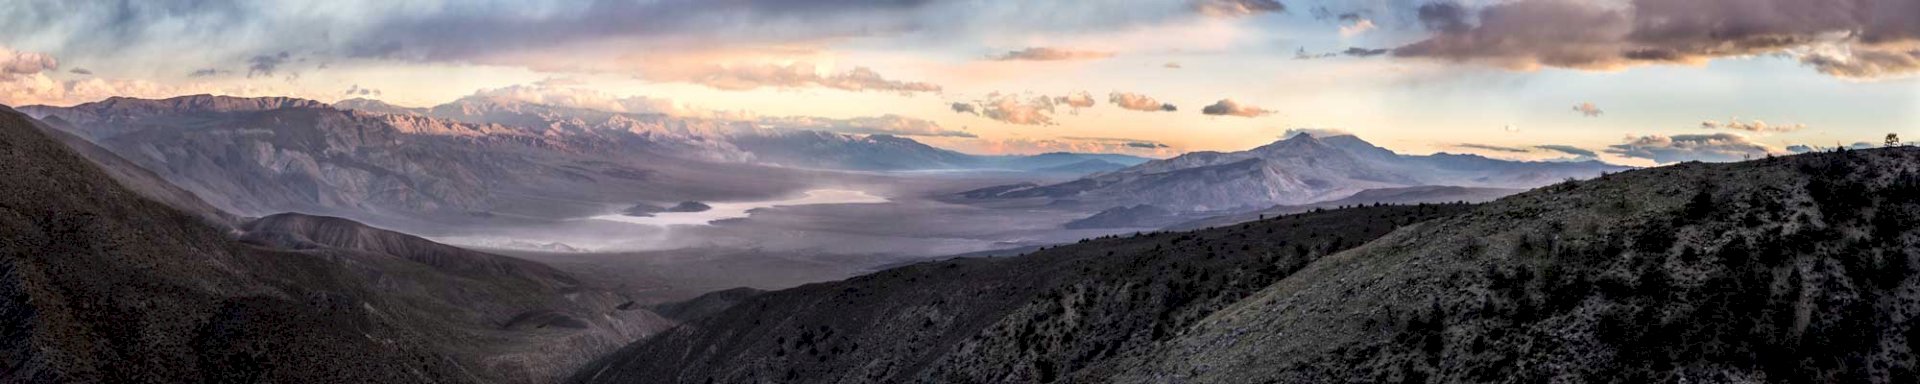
(1636, 82)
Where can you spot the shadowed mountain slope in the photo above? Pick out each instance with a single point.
(100, 283)
(1018, 319)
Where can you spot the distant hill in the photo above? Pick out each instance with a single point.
(1426, 194)
(1299, 170)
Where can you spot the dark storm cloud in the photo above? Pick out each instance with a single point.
(1494, 148)
(208, 72)
(265, 65)
(1228, 107)
(1568, 149)
(1847, 38)
(1364, 52)
(966, 108)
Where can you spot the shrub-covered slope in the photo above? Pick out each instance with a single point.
(1794, 269)
(1020, 319)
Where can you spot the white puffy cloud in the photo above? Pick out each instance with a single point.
(567, 93)
(1017, 109)
(1755, 126)
(873, 125)
(1588, 109)
(1080, 99)
(19, 63)
(1139, 102)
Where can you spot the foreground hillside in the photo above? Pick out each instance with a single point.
(1019, 319)
(100, 283)
(1796, 269)
(1793, 269)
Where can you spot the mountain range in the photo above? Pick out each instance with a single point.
(1301, 169)
(479, 159)
(104, 280)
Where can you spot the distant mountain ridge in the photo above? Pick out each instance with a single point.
(1297, 170)
(796, 142)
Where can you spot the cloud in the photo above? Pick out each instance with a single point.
(1237, 8)
(355, 90)
(967, 108)
(1050, 54)
(1565, 153)
(1494, 148)
(1139, 102)
(1568, 149)
(1080, 99)
(1755, 126)
(750, 76)
(265, 65)
(1302, 54)
(1171, 65)
(80, 71)
(1315, 132)
(874, 125)
(208, 72)
(1227, 107)
(1364, 52)
(1353, 25)
(1717, 147)
(1014, 109)
(1846, 38)
(25, 80)
(1130, 143)
(1801, 148)
(1028, 146)
(567, 93)
(14, 64)
(1588, 109)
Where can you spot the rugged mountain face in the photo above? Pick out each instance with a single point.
(1020, 319)
(101, 283)
(1796, 269)
(1299, 170)
(258, 157)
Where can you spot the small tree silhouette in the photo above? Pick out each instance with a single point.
(1893, 139)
